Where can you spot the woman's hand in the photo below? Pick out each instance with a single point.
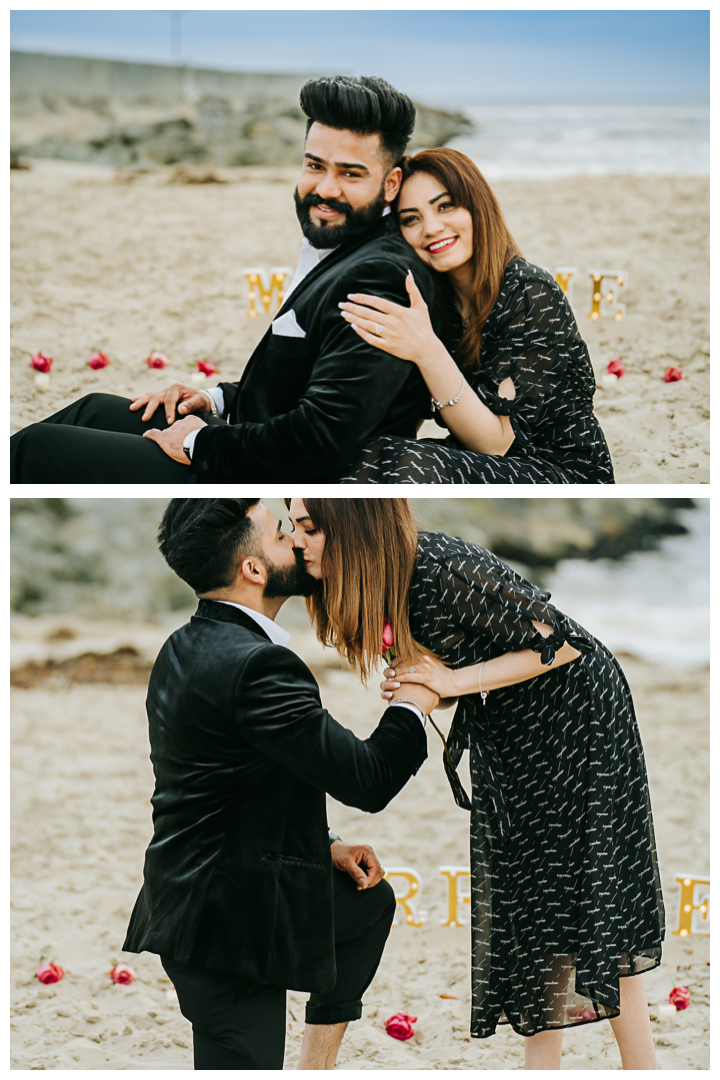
(427, 672)
(405, 332)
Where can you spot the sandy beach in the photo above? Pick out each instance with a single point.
(129, 262)
(81, 783)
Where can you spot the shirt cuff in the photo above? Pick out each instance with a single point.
(218, 397)
(189, 440)
(412, 707)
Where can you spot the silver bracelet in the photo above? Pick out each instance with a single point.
(483, 693)
(453, 401)
(409, 701)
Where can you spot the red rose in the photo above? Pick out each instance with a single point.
(157, 360)
(207, 368)
(388, 638)
(679, 997)
(123, 974)
(399, 1026)
(97, 360)
(50, 973)
(616, 367)
(41, 362)
(673, 374)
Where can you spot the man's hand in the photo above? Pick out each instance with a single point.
(170, 441)
(359, 861)
(191, 400)
(426, 698)
(431, 673)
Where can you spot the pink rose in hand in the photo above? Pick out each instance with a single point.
(123, 974)
(98, 360)
(399, 1026)
(673, 374)
(679, 997)
(50, 973)
(207, 368)
(157, 360)
(41, 362)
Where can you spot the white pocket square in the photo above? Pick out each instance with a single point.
(287, 325)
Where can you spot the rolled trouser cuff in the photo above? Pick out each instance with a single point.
(333, 1014)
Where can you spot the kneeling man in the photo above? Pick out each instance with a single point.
(245, 892)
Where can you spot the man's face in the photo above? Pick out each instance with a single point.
(286, 573)
(344, 185)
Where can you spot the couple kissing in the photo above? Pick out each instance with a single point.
(247, 893)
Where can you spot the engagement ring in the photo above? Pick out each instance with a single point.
(378, 328)
(412, 670)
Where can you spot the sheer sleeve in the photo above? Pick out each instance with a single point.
(531, 337)
(480, 595)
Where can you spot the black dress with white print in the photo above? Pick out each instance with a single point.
(532, 337)
(566, 893)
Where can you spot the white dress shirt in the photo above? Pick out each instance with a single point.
(277, 635)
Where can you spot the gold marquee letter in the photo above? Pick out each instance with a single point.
(564, 277)
(406, 900)
(694, 906)
(259, 282)
(455, 896)
(605, 305)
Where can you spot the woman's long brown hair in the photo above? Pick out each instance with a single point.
(368, 561)
(493, 244)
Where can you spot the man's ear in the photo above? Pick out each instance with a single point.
(393, 180)
(252, 570)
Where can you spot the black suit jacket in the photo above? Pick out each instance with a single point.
(238, 874)
(306, 407)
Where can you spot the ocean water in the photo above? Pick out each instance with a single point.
(526, 142)
(652, 604)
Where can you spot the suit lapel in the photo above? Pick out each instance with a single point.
(335, 256)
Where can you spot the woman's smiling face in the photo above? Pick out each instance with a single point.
(439, 231)
(306, 538)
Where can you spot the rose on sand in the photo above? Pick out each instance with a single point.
(41, 362)
(679, 996)
(157, 360)
(207, 368)
(123, 974)
(388, 640)
(673, 374)
(587, 1013)
(50, 973)
(97, 360)
(616, 367)
(399, 1026)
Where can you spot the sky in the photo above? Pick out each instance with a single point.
(449, 58)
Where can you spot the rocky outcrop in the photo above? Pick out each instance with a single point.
(540, 532)
(99, 557)
(145, 115)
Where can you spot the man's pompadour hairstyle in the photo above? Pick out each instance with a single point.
(366, 106)
(203, 540)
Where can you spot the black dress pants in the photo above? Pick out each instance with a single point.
(240, 1024)
(96, 440)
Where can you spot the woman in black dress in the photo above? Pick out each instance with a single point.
(566, 899)
(515, 384)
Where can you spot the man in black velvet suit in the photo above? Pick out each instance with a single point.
(245, 892)
(313, 393)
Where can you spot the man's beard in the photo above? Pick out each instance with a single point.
(288, 580)
(357, 221)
